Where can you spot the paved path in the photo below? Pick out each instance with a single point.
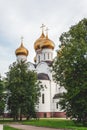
(28, 127)
(1, 127)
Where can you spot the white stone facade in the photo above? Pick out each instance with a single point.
(48, 102)
(44, 55)
(21, 57)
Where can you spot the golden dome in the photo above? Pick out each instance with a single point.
(21, 50)
(47, 44)
(44, 41)
(39, 41)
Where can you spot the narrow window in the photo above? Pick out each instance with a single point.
(43, 98)
(44, 56)
(48, 55)
(51, 56)
(57, 105)
(38, 58)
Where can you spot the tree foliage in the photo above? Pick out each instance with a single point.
(23, 90)
(2, 96)
(70, 71)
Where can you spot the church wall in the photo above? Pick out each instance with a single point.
(44, 55)
(46, 106)
(53, 91)
(51, 114)
(21, 57)
(44, 114)
(59, 114)
(47, 54)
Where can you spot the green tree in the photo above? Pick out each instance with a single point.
(2, 97)
(70, 71)
(23, 90)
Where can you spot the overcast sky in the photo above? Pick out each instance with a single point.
(24, 18)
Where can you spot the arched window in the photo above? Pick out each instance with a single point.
(43, 98)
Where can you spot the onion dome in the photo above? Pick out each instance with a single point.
(47, 44)
(21, 50)
(44, 41)
(39, 41)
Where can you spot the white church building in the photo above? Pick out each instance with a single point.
(44, 48)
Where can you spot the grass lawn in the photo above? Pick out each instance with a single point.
(9, 128)
(55, 123)
(52, 123)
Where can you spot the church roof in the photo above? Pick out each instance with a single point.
(43, 76)
(49, 63)
(58, 95)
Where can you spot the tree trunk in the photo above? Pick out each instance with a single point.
(20, 114)
(27, 118)
(20, 117)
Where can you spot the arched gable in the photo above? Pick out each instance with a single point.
(31, 66)
(42, 67)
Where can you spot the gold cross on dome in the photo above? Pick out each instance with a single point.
(22, 39)
(47, 31)
(42, 27)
